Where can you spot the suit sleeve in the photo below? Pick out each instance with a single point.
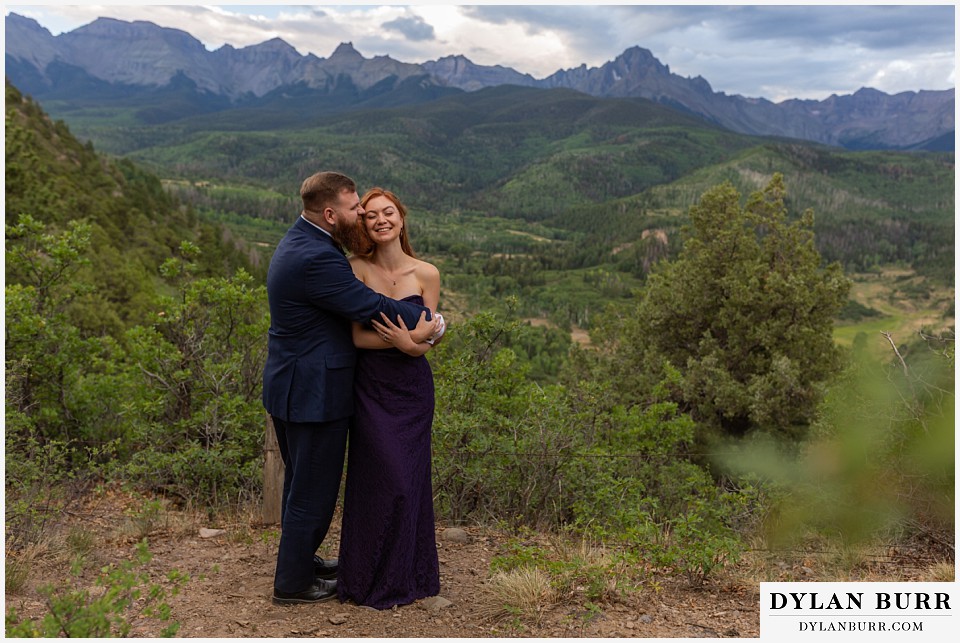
(332, 285)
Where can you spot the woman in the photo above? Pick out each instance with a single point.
(388, 552)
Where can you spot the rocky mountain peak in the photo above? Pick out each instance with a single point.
(345, 51)
(17, 22)
(639, 53)
(277, 45)
(139, 33)
(641, 60)
(35, 44)
(459, 71)
(123, 29)
(452, 64)
(274, 49)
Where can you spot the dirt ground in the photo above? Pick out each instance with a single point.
(231, 578)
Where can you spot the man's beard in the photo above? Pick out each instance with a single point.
(348, 236)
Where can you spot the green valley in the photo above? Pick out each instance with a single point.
(488, 175)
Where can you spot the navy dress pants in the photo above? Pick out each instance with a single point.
(312, 456)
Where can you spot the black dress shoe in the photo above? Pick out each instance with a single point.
(322, 590)
(325, 569)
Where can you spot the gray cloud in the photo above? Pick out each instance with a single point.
(580, 24)
(415, 29)
(595, 28)
(772, 51)
(876, 27)
(539, 17)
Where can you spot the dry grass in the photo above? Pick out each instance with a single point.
(579, 549)
(152, 517)
(80, 542)
(16, 572)
(522, 593)
(941, 572)
(20, 562)
(185, 523)
(590, 569)
(822, 561)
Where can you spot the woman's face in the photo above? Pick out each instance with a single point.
(382, 220)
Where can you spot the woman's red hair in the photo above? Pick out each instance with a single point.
(367, 246)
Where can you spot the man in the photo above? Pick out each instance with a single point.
(308, 377)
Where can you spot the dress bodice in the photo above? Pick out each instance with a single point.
(414, 299)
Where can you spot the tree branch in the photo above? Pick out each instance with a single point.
(895, 350)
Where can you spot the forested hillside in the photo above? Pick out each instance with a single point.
(112, 326)
(134, 224)
(600, 173)
(684, 435)
(561, 200)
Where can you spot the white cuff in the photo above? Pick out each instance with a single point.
(441, 329)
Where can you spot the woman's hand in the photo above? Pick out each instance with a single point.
(398, 335)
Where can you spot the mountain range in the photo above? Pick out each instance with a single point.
(141, 64)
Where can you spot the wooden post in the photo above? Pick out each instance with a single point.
(272, 476)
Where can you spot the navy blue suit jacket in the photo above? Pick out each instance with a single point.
(313, 297)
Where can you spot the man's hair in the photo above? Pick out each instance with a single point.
(323, 189)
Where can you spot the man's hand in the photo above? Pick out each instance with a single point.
(441, 329)
(424, 329)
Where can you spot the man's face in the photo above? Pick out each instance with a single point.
(347, 209)
(346, 213)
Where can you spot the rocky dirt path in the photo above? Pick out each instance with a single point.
(230, 597)
(231, 574)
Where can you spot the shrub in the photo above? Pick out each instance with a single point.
(126, 593)
(200, 421)
(570, 455)
(744, 315)
(879, 464)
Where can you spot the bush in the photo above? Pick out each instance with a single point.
(200, 419)
(744, 315)
(173, 406)
(570, 456)
(40, 478)
(78, 613)
(879, 465)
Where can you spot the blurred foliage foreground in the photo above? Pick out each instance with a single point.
(715, 412)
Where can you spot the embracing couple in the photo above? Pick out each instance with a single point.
(317, 385)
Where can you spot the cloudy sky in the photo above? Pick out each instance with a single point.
(775, 52)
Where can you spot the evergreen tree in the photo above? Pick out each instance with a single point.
(745, 315)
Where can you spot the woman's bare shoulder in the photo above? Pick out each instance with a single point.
(359, 265)
(426, 269)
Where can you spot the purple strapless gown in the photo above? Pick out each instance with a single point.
(388, 550)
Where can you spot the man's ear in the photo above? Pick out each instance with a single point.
(329, 216)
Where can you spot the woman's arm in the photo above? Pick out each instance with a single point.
(399, 336)
(367, 338)
(424, 329)
(412, 342)
(364, 337)
(429, 277)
